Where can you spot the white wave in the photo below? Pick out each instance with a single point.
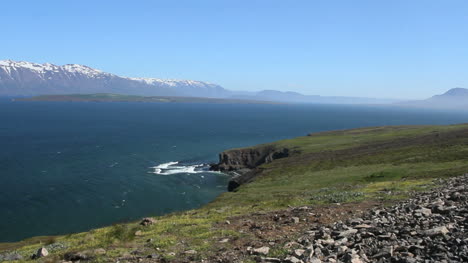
(176, 168)
(164, 165)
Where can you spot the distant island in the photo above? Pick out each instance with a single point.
(108, 97)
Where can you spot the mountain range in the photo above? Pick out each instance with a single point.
(20, 78)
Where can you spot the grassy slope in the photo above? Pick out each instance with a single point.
(383, 163)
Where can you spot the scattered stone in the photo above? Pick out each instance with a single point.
(99, 251)
(299, 252)
(355, 259)
(292, 259)
(348, 233)
(271, 260)
(429, 227)
(291, 245)
(424, 211)
(225, 240)
(138, 233)
(295, 220)
(261, 251)
(190, 252)
(436, 231)
(385, 252)
(362, 226)
(153, 256)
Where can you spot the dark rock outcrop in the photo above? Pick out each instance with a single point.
(147, 221)
(77, 256)
(241, 179)
(248, 158)
(244, 162)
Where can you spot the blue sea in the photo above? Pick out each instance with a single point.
(67, 167)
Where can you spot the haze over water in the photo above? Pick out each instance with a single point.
(69, 167)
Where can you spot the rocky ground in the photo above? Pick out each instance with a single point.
(430, 227)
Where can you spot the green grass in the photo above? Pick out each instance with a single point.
(379, 163)
(336, 140)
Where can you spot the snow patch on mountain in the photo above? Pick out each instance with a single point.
(80, 69)
(12, 66)
(27, 78)
(172, 82)
(40, 68)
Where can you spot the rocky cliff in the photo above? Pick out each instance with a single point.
(245, 162)
(248, 158)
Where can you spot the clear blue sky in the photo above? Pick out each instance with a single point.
(392, 48)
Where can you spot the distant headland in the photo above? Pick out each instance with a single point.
(108, 97)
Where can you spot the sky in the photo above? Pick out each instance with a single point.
(382, 49)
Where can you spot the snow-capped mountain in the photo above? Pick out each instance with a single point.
(19, 78)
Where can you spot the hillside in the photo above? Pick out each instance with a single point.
(455, 99)
(105, 97)
(289, 187)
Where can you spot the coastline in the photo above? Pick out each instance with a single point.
(322, 173)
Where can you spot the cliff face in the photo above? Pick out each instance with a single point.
(248, 158)
(246, 161)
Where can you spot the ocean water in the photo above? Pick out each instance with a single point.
(69, 167)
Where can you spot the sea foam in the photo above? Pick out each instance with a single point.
(177, 168)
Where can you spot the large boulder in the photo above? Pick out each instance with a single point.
(41, 252)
